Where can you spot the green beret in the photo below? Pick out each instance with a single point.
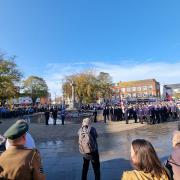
(16, 130)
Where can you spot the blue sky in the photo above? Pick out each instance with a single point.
(130, 39)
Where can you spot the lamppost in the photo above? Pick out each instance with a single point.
(55, 97)
(73, 94)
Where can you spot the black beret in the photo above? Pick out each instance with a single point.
(16, 130)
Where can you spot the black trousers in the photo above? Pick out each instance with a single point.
(54, 120)
(94, 158)
(62, 118)
(46, 120)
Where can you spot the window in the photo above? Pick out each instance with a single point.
(144, 88)
(145, 94)
(158, 86)
(123, 90)
(176, 90)
(134, 95)
(139, 88)
(150, 87)
(127, 95)
(139, 95)
(128, 89)
(133, 88)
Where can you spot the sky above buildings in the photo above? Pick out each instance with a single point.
(130, 39)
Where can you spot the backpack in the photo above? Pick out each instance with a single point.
(86, 141)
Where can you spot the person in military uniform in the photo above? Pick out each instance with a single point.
(18, 162)
(54, 114)
(47, 115)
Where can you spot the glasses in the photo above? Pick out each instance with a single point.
(172, 161)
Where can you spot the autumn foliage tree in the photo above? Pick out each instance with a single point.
(89, 87)
(35, 87)
(10, 76)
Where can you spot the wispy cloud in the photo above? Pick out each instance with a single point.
(165, 73)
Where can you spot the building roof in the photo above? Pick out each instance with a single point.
(131, 83)
(172, 86)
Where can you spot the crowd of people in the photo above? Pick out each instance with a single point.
(143, 112)
(20, 110)
(145, 162)
(19, 158)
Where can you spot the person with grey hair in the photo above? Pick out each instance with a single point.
(88, 147)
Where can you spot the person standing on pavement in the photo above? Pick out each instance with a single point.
(47, 114)
(140, 115)
(106, 114)
(63, 116)
(126, 114)
(135, 114)
(112, 113)
(54, 115)
(88, 147)
(19, 162)
(95, 115)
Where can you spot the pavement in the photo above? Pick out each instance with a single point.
(58, 145)
(41, 132)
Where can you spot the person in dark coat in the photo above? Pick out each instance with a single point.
(112, 113)
(115, 114)
(47, 114)
(119, 114)
(140, 115)
(106, 114)
(153, 114)
(126, 111)
(54, 114)
(157, 113)
(95, 115)
(134, 114)
(63, 116)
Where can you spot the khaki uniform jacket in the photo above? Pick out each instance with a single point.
(19, 163)
(140, 175)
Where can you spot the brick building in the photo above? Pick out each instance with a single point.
(133, 90)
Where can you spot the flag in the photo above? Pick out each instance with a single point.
(168, 97)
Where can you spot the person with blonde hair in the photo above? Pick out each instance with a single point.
(146, 163)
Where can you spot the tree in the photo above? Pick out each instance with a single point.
(104, 85)
(85, 89)
(88, 86)
(10, 75)
(35, 87)
(177, 95)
